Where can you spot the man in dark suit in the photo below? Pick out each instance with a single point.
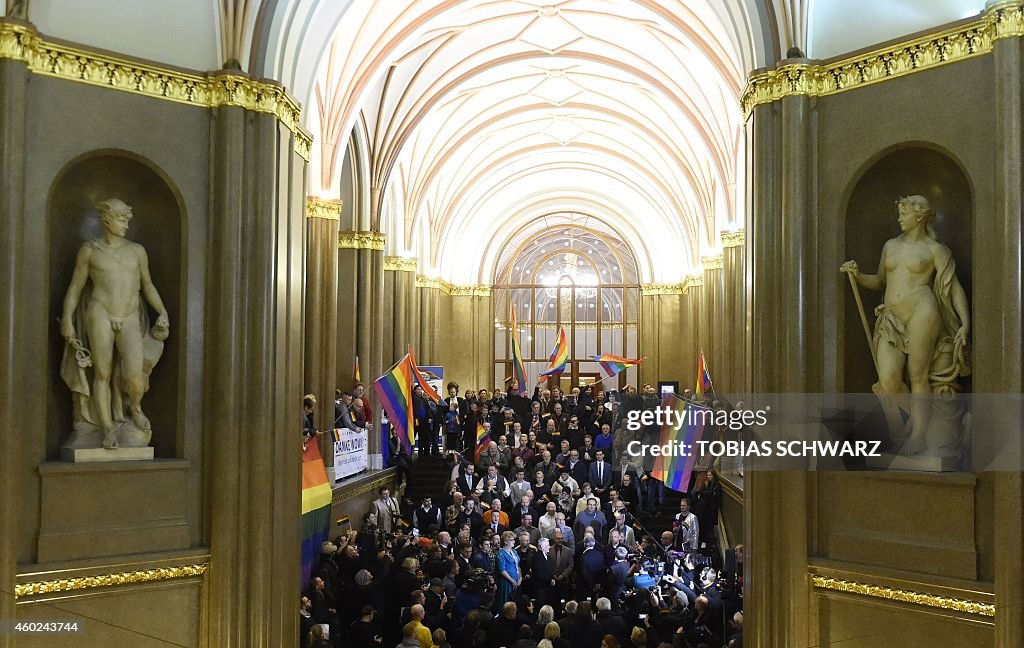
(471, 517)
(562, 565)
(600, 474)
(577, 468)
(467, 482)
(542, 573)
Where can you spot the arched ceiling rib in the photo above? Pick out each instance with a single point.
(476, 108)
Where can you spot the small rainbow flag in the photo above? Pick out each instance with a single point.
(614, 364)
(421, 380)
(483, 439)
(357, 376)
(342, 521)
(559, 355)
(518, 370)
(394, 391)
(704, 383)
(674, 470)
(316, 506)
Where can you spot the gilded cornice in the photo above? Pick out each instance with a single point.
(474, 291)
(733, 239)
(663, 289)
(554, 326)
(61, 585)
(399, 264)
(361, 240)
(694, 281)
(904, 596)
(712, 262)
(323, 208)
(386, 478)
(61, 61)
(1004, 20)
(423, 281)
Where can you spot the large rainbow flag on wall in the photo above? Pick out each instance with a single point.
(316, 506)
(518, 369)
(559, 355)
(614, 364)
(704, 383)
(675, 470)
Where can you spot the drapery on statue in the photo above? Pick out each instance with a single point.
(106, 329)
(921, 332)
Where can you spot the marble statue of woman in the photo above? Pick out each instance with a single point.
(106, 328)
(922, 327)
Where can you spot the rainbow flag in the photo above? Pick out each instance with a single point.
(559, 355)
(394, 391)
(674, 471)
(703, 378)
(518, 370)
(614, 364)
(483, 439)
(316, 506)
(421, 380)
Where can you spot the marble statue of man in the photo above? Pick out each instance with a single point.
(106, 327)
(922, 327)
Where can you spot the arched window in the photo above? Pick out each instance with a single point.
(576, 273)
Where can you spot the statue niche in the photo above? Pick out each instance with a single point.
(110, 347)
(921, 331)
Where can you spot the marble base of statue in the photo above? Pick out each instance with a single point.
(86, 444)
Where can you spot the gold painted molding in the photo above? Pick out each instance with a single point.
(455, 290)
(325, 208)
(713, 262)
(400, 264)
(386, 478)
(903, 596)
(1004, 20)
(505, 325)
(694, 281)
(36, 588)
(361, 240)
(22, 43)
(733, 239)
(663, 289)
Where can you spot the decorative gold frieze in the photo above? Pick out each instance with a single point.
(663, 289)
(361, 240)
(712, 262)
(959, 43)
(733, 239)
(554, 326)
(386, 478)
(423, 281)
(400, 264)
(61, 61)
(474, 291)
(904, 596)
(694, 281)
(323, 208)
(36, 588)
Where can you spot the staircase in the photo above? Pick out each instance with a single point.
(427, 477)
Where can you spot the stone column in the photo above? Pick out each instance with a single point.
(735, 315)
(784, 306)
(714, 319)
(253, 381)
(321, 323)
(1000, 328)
(15, 357)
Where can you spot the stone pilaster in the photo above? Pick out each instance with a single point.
(321, 322)
(15, 357)
(783, 307)
(997, 319)
(713, 319)
(253, 381)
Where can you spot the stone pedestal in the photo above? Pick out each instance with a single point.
(93, 510)
(85, 455)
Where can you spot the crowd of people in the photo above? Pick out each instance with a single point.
(535, 542)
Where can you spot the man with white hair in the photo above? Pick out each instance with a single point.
(548, 521)
(542, 573)
(611, 623)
